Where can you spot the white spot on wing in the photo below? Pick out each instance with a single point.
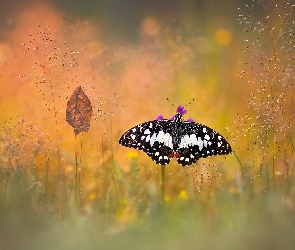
(166, 139)
(153, 139)
(193, 139)
(200, 143)
(147, 131)
(207, 137)
(160, 136)
(132, 137)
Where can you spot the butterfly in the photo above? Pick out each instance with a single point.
(162, 139)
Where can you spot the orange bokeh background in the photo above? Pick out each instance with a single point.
(46, 51)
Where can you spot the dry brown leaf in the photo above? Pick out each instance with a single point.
(79, 111)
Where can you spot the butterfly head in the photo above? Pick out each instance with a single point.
(179, 113)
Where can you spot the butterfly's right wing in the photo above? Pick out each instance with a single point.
(199, 141)
(153, 137)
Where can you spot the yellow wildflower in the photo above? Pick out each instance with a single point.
(92, 196)
(132, 154)
(183, 195)
(167, 198)
(234, 190)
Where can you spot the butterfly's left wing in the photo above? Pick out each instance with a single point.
(153, 137)
(199, 141)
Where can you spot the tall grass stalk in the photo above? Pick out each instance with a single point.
(53, 104)
(239, 161)
(112, 164)
(6, 186)
(245, 175)
(104, 174)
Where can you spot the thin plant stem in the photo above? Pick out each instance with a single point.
(273, 160)
(239, 161)
(163, 183)
(115, 184)
(112, 165)
(46, 181)
(293, 149)
(76, 168)
(6, 186)
(64, 183)
(104, 167)
(55, 117)
(292, 143)
(54, 108)
(80, 164)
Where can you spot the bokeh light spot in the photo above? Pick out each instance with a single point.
(223, 37)
(150, 26)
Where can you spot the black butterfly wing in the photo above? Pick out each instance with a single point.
(153, 137)
(199, 141)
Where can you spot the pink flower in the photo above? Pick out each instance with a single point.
(181, 110)
(160, 117)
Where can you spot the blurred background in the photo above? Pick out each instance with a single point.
(129, 57)
(230, 62)
(134, 49)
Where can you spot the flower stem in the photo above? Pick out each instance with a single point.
(163, 183)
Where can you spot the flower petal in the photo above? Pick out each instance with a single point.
(181, 110)
(159, 117)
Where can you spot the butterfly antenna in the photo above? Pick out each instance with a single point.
(170, 102)
(189, 102)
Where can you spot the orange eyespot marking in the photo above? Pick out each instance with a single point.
(171, 155)
(177, 155)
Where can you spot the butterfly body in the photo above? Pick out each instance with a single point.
(187, 140)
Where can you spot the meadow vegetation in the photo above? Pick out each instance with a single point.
(59, 190)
